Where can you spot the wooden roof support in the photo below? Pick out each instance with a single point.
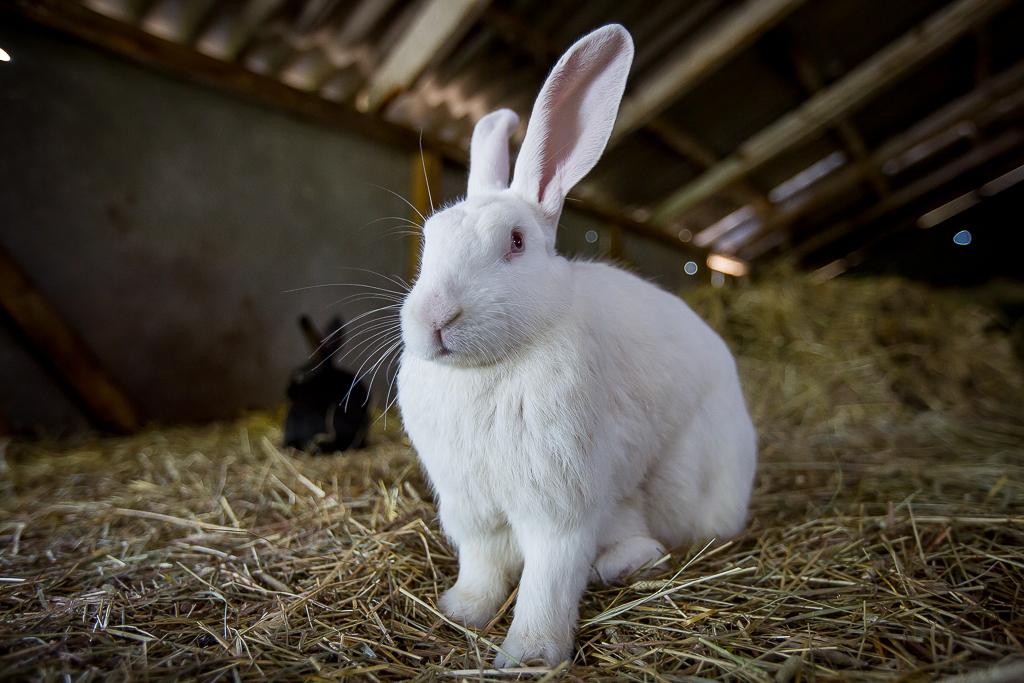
(687, 146)
(879, 72)
(176, 20)
(229, 45)
(424, 181)
(984, 102)
(603, 208)
(810, 77)
(432, 34)
(1008, 141)
(65, 351)
(362, 19)
(697, 59)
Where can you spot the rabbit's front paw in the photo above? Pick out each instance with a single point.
(532, 651)
(469, 607)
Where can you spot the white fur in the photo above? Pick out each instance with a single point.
(573, 419)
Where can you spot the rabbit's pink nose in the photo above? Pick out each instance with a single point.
(436, 315)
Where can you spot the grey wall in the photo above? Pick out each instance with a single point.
(169, 222)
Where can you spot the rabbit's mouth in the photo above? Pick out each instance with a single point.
(440, 350)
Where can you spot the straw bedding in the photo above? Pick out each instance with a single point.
(886, 535)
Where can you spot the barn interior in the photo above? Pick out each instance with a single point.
(832, 186)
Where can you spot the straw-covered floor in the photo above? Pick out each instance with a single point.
(886, 535)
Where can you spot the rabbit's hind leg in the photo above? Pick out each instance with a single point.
(626, 548)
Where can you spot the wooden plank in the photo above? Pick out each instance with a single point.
(984, 102)
(362, 19)
(812, 80)
(176, 20)
(879, 72)
(252, 16)
(64, 350)
(697, 59)
(692, 149)
(433, 32)
(605, 209)
(1005, 143)
(424, 190)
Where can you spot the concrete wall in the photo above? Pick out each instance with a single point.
(170, 223)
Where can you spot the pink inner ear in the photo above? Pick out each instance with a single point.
(575, 104)
(573, 117)
(488, 152)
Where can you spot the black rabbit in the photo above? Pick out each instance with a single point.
(328, 409)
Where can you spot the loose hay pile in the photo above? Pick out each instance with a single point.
(886, 540)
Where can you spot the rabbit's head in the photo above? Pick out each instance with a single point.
(490, 279)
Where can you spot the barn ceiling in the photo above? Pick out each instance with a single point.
(751, 130)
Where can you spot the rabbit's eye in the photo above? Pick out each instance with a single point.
(517, 245)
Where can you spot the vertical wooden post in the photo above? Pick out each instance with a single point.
(4, 427)
(425, 192)
(61, 346)
(616, 252)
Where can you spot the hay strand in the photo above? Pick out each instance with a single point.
(886, 537)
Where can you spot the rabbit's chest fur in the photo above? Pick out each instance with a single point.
(574, 419)
(485, 434)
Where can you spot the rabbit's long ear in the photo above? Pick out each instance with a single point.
(573, 118)
(309, 331)
(334, 337)
(488, 152)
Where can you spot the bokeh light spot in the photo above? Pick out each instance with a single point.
(962, 237)
(591, 236)
(690, 268)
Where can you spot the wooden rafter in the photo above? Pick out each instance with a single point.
(687, 146)
(810, 77)
(424, 180)
(880, 71)
(980, 105)
(176, 20)
(433, 33)
(984, 153)
(63, 350)
(361, 20)
(227, 45)
(697, 59)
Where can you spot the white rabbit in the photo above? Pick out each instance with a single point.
(573, 419)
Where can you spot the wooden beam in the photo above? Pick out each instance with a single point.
(605, 209)
(425, 191)
(697, 59)
(230, 32)
(687, 146)
(64, 350)
(984, 102)
(1008, 141)
(361, 21)
(176, 20)
(879, 72)
(616, 249)
(810, 77)
(433, 33)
